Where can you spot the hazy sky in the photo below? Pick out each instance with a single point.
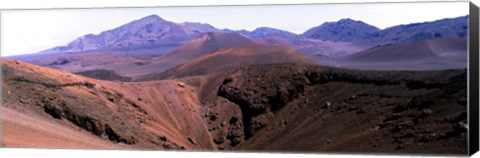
(30, 31)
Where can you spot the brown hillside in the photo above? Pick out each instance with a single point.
(274, 107)
(233, 59)
(194, 48)
(309, 108)
(96, 114)
(206, 43)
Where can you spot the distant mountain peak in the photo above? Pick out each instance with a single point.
(263, 28)
(148, 31)
(353, 22)
(343, 20)
(264, 31)
(344, 30)
(405, 33)
(152, 17)
(350, 30)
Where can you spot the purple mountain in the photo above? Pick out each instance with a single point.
(262, 32)
(148, 31)
(348, 30)
(344, 30)
(452, 27)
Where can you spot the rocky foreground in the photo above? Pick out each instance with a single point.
(275, 107)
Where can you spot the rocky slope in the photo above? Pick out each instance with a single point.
(97, 114)
(311, 108)
(277, 107)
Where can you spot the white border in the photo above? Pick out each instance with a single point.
(64, 153)
(44, 4)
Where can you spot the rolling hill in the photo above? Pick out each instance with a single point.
(443, 53)
(229, 59)
(192, 49)
(207, 43)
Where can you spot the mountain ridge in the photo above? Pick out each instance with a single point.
(147, 31)
(433, 54)
(346, 30)
(153, 30)
(261, 32)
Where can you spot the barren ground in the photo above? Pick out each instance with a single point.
(276, 107)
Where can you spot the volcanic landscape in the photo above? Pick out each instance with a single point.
(152, 84)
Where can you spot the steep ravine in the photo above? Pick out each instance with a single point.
(287, 107)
